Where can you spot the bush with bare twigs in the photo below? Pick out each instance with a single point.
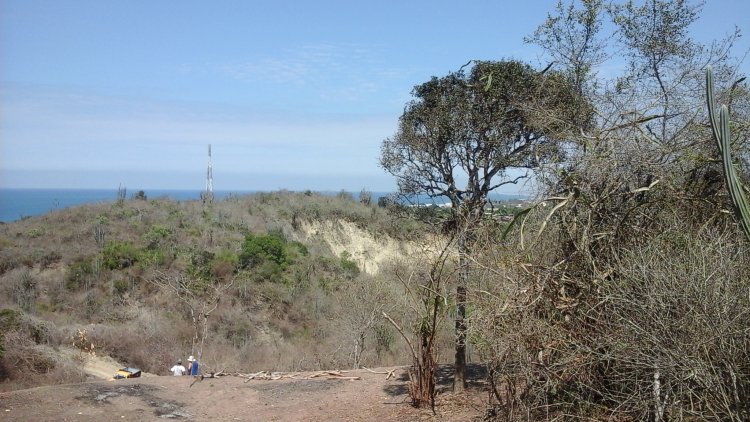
(626, 294)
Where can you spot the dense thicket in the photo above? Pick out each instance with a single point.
(625, 294)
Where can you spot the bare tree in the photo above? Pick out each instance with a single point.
(199, 299)
(361, 303)
(425, 277)
(571, 37)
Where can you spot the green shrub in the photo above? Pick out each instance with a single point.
(35, 232)
(200, 264)
(228, 256)
(224, 264)
(150, 257)
(384, 338)
(10, 319)
(101, 220)
(268, 271)
(119, 255)
(120, 286)
(123, 213)
(349, 267)
(257, 249)
(384, 201)
(157, 236)
(327, 284)
(79, 273)
(45, 258)
(297, 249)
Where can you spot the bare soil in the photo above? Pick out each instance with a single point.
(232, 398)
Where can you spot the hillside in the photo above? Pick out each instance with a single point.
(279, 282)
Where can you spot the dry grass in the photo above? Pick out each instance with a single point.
(93, 267)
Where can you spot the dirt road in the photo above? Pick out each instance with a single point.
(232, 398)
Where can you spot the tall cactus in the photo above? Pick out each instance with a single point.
(721, 135)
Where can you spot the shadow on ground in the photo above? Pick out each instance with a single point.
(99, 393)
(476, 374)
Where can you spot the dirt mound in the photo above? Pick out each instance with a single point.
(95, 366)
(371, 397)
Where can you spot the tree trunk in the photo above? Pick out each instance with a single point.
(459, 377)
(195, 329)
(359, 343)
(658, 404)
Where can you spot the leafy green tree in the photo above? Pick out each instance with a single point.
(463, 134)
(257, 249)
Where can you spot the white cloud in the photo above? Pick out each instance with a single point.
(328, 72)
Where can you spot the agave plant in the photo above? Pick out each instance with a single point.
(722, 136)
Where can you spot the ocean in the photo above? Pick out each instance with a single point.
(16, 204)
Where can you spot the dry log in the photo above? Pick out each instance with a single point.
(273, 376)
(333, 375)
(265, 375)
(388, 374)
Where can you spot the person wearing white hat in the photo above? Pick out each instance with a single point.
(192, 368)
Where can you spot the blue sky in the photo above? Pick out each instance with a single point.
(291, 94)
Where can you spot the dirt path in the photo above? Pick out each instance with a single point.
(371, 398)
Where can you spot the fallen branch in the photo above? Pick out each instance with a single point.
(333, 375)
(388, 374)
(214, 374)
(400, 331)
(209, 375)
(272, 376)
(265, 375)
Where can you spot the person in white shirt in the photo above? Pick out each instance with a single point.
(178, 369)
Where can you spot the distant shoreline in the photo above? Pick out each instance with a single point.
(19, 203)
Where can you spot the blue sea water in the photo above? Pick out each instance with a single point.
(16, 204)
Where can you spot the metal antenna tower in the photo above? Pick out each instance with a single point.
(209, 179)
